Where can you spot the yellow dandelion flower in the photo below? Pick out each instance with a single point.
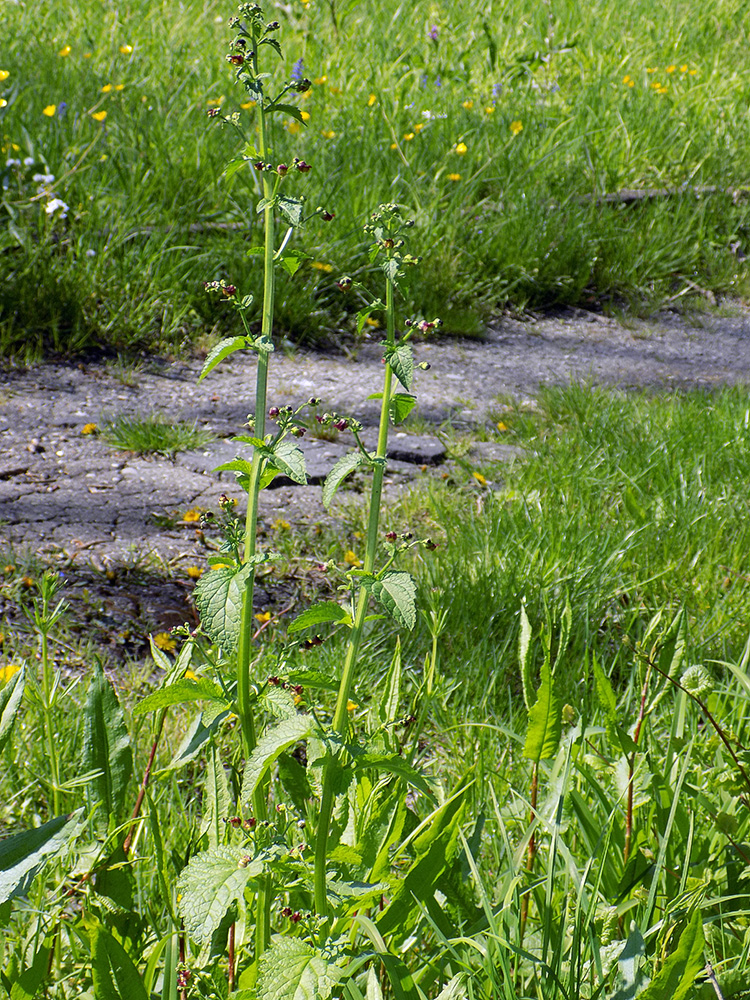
(692, 72)
(126, 49)
(106, 88)
(663, 90)
(103, 157)
(408, 136)
(119, 86)
(65, 51)
(351, 559)
(394, 145)
(671, 69)
(190, 675)
(352, 706)
(374, 323)
(293, 127)
(468, 105)
(501, 426)
(4, 74)
(305, 115)
(221, 566)
(461, 148)
(3, 102)
(322, 267)
(163, 640)
(10, 568)
(280, 524)
(419, 127)
(213, 102)
(371, 100)
(99, 116)
(626, 78)
(8, 671)
(320, 80)
(479, 478)
(655, 85)
(328, 134)
(263, 617)
(631, 83)
(89, 429)
(454, 177)
(49, 110)
(194, 514)
(247, 105)
(194, 572)
(490, 109)
(683, 69)
(516, 127)
(652, 69)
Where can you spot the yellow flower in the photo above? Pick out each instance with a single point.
(454, 177)
(516, 127)
(490, 109)
(89, 429)
(468, 105)
(351, 559)
(373, 322)
(626, 78)
(4, 74)
(99, 116)
(86, 55)
(322, 267)
(119, 86)
(351, 706)
(2, 638)
(10, 568)
(247, 105)
(65, 51)
(692, 72)
(479, 478)
(320, 80)
(194, 514)
(671, 69)
(652, 69)
(293, 127)
(8, 671)
(305, 116)
(371, 100)
(194, 572)
(408, 136)
(631, 83)
(335, 90)
(328, 134)
(3, 102)
(27, 582)
(49, 110)
(106, 88)
(683, 69)
(190, 675)
(501, 426)
(163, 640)
(419, 127)
(394, 145)
(263, 617)
(213, 102)
(221, 566)
(280, 524)
(126, 49)
(461, 148)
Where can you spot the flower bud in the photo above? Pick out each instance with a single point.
(302, 86)
(282, 170)
(344, 283)
(297, 432)
(327, 216)
(236, 58)
(391, 536)
(303, 167)
(213, 112)
(273, 412)
(260, 165)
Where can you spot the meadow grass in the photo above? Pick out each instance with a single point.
(153, 434)
(498, 127)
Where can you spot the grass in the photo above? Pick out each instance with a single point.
(153, 435)
(500, 135)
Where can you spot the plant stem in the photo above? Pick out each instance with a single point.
(341, 714)
(631, 769)
(530, 852)
(54, 766)
(144, 783)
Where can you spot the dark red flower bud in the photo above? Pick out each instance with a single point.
(235, 821)
(260, 165)
(303, 167)
(213, 112)
(274, 680)
(287, 911)
(298, 689)
(296, 917)
(391, 536)
(282, 170)
(273, 412)
(345, 283)
(327, 216)
(236, 59)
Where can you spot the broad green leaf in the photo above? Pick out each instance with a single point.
(279, 701)
(10, 701)
(216, 799)
(288, 458)
(286, 109)
(401, 361)
(675, 979)
(344, 467)
(115, 976)
(326, 611)
(396, 592)
(274, 742)
(388, 711)
(218, 598)
(201, 731)
(26, 986)
(400, 406)
(209, 884)
(24, 854)
(314, 679)
(628, 963)
(236, 465)
(291, 208)
(291, 261)
(293, 776)
(222, 350)
(291, 970)
(393, 763)
(544, 728)
(183, 690)
(524, 660)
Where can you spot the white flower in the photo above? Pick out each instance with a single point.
(91, 253)
(43, 178)
(28, 161)
(12, 163)
(57, 204)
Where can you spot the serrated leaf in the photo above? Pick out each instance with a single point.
(397, 594)
(401, 361)
(291, 209)
(289, 109)
(202, 729)
(390, 269)
(114, 974)
(291, 970)
(544, 728)
(677, 976)
(106, 745)
(274, 742)
(255, 252)
(183, 690)
(209, 884)
(314, 679)
(10, 701)
(222, 350)
(326, 611)
(236, 465)
(400, 406)
(218, 598)
(343, 468)
(291, 265)
(217, 801)
(279, 701)
(288, 458)
(24, 854)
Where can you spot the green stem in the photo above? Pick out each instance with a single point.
(54, 765)
(341, 714)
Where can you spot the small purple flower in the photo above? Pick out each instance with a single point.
(433, 33)
(298, 70)
(438, 81)
(497, 89)
(62, 108)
